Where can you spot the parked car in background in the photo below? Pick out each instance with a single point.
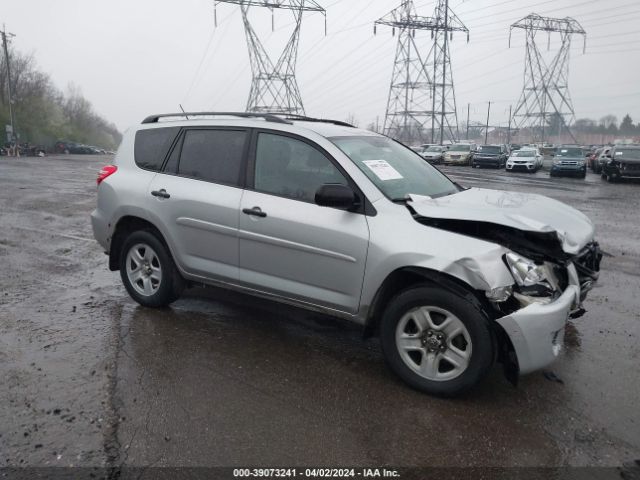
(77, 148)
(527, 159)
(490, 156)
(592, 160)
(514, 146)
(548, 150)
(460, 154)
(602, 158)
(622, 161)
(434, 154)
(569, 161)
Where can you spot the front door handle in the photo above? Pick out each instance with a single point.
(255, 211)
(160, 193)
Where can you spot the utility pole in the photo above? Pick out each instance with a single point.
(468, 110)
(416, 95)
(486, 129)
(444, 71)
(6, 58)
(509, 129)
(274, 88)
(546, 85)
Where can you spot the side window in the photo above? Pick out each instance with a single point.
(151, 146)
(292, 168)
(213, 155)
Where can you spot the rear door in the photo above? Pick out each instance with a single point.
(197, 200)
(289, 246)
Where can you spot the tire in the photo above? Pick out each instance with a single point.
(406, 344)
(146, 258)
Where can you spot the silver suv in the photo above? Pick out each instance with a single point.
(329, 217)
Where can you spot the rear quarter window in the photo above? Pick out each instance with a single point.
(151, 146)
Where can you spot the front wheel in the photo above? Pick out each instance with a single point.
(436, 341)
(148, 271)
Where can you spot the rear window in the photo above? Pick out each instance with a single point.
(151, 146)
(213, 155)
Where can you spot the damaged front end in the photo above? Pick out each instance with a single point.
(549, 287)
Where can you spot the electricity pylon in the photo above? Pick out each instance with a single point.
(273, 86)
(545, 101)
(421, 95)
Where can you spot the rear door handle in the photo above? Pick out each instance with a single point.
(160, 193)
(255, 211)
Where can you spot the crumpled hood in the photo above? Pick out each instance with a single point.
(523, 211)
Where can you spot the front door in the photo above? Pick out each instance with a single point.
(290, 246)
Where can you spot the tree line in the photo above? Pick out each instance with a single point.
(44, 114)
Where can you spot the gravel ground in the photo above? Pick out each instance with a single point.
(89, 378)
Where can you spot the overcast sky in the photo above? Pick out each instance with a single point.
(133, 58)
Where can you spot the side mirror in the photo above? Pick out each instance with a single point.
(608, 155)
(337, 196)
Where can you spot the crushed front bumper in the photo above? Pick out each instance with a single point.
(537, 330)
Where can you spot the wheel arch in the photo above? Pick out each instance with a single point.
(406, 277)
(126, 225)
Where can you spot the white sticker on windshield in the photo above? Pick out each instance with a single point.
(382, 170)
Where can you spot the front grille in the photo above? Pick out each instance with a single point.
(630, 167)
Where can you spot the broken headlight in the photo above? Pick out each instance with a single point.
(532, 279)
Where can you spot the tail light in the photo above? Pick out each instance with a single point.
(105, 172)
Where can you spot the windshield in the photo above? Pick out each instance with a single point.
(524, 153)
(489, 149)
(461, 148)
(393, 168)
(633, 153)
(569, 152)
(434, 149)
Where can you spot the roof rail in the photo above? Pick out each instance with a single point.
(303, 118)
(267, 116)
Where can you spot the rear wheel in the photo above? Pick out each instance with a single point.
(436, 341)
(148, 271)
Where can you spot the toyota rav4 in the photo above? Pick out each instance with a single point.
(329, 217)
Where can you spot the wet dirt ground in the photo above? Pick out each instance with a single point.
(89, 378)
